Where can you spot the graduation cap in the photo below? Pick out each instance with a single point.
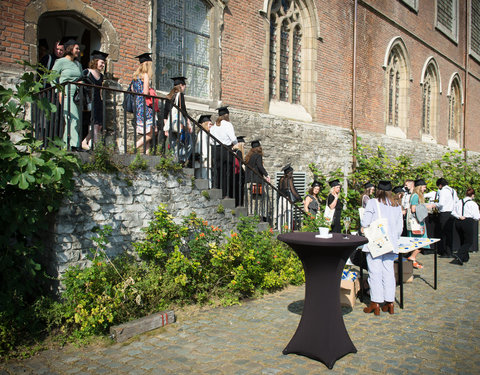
(241, 139)
(223, 111)
(178, 81)
(69, 41)
(334, 183)
(204, 118)
(384, 185)
(287, 169)
(316, 183)
(99, 55)
(420, 182)
(368, 185)
(255, 143)
(398, 189)
(144, 57)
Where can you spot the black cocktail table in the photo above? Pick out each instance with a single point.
(321, 333)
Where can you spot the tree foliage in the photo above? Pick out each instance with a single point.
(32, 182)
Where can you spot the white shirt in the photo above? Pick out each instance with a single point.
(446, 199)
(406, 200)
(470, 209)
(224, 133)
(430, 196)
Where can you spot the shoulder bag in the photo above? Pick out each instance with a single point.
(413, 225)
(377, 233)
(328, 214)
(129, 101)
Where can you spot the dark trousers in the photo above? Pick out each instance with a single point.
(223, 175)
(446, 221)
(466, 231)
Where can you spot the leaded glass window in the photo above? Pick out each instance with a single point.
(475, 28)
(393, 89)
(454, 112)
(430, 94)
(285, 51)
(447, 17)
(183, 44)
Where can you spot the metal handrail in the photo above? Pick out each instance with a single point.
(45, 128)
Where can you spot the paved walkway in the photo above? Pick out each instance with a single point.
(438, 332)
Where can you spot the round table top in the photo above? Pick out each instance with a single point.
(309, 239)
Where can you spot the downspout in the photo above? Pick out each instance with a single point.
(467, 29)
(354, 89)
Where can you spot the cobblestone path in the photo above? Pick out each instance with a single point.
(438, 332)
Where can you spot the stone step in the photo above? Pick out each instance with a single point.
(202, 184)
(240, 211)
(228, 203)
(188, 171)
(262, 226)
(215, 193)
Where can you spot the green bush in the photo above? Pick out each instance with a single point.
(32, 184)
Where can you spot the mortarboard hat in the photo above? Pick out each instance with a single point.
(384, 185)
(316, 183)
(420, 182)
(368, 185)
(204, 118)
(178, 81)
(223, 111)
(334, 183)
(69, 42)
(144, 57)
(287, 169)
(98, 55)
(398, 189)
(255, 143)
(241, 139)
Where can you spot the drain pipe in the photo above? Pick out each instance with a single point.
(354, 88)
(467, 5)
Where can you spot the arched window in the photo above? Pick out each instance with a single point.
(285, 51)
(455, 112)
(430, 94)
(397, 83)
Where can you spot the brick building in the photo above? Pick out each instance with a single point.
(305, 75)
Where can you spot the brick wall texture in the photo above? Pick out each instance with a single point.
(244, 65)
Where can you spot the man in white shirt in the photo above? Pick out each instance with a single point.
(467, 215)
(447, 197)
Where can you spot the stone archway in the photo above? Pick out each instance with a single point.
(76, 8)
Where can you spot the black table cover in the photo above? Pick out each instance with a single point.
(321, 333)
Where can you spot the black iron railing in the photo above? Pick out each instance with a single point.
(217, 165)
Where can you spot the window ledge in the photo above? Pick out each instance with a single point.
(395, 131)
(427, 138)
(288, 110)
(453, 144)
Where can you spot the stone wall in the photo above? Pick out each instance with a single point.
(126, 203)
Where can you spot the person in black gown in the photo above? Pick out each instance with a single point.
(94, 75)
(336, 204)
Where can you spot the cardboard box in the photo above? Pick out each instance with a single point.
(407, 270)
(348, 292)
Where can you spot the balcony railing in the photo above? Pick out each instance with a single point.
(215, 165)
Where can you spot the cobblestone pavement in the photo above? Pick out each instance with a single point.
(438, 332)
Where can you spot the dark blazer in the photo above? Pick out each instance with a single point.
(256, 163)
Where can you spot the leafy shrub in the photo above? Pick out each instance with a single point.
(102, 160)
(32, 184)
(139, 163)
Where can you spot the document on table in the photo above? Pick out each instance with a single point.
(407, 244)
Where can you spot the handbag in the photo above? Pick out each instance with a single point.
(413, 225)
(129, 101)
(256, 189)
(377, 233)
(328, 214)
(152, 102)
